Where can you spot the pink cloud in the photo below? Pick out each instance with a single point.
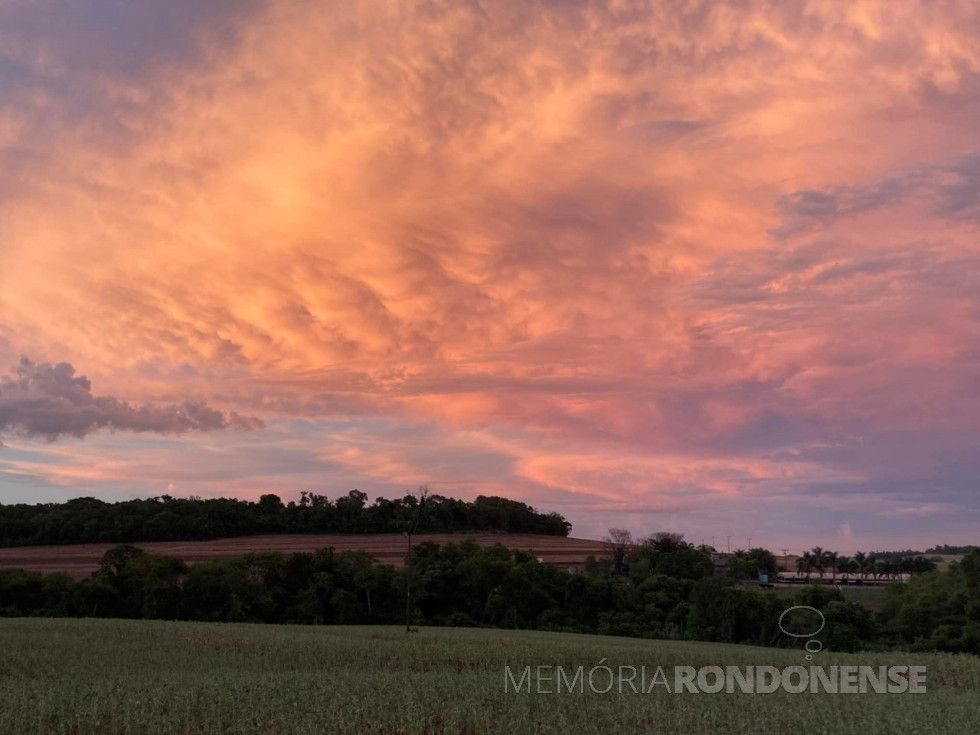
(639, 255)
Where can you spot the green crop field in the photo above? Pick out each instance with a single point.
(149, 678)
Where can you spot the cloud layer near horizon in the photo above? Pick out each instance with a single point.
(639, 263)
(49, 401)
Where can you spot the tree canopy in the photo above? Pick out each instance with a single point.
(164, 518)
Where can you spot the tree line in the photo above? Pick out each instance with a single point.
(861, 564)
(749, 564)
(164, 518)
(944, 549)
(662, 587)
(952, 550)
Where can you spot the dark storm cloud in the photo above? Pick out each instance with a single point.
(50, 401)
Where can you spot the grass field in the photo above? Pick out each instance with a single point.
(144, 678)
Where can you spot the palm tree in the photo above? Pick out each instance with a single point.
(806, 562)
(831, 557)
(872, 566)
(844, 564)
(861, 561)
(818, 557)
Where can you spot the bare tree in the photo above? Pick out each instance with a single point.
(620, 544)
(619, 537)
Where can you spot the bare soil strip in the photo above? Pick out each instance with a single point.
(80, 560)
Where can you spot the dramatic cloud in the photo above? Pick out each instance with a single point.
(951, 188)
(49, 401)
(648, 264)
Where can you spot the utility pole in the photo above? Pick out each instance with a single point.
(729, 544)
(421, 495)
(750, 543)
(408, 584)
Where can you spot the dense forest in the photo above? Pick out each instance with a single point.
(665, 588)
(88, 520)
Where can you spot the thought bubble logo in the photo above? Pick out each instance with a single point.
(799, 621)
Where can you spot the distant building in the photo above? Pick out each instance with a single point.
(787, 562)
(720, 560)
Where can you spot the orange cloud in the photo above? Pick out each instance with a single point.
(634, 246)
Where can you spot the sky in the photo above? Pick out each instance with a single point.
(702, 267)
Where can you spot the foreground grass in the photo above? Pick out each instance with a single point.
(148, 678)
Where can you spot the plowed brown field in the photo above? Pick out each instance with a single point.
(80, 560)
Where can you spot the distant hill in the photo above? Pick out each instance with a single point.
(947, 550)
(164, 518)
(944, 550)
